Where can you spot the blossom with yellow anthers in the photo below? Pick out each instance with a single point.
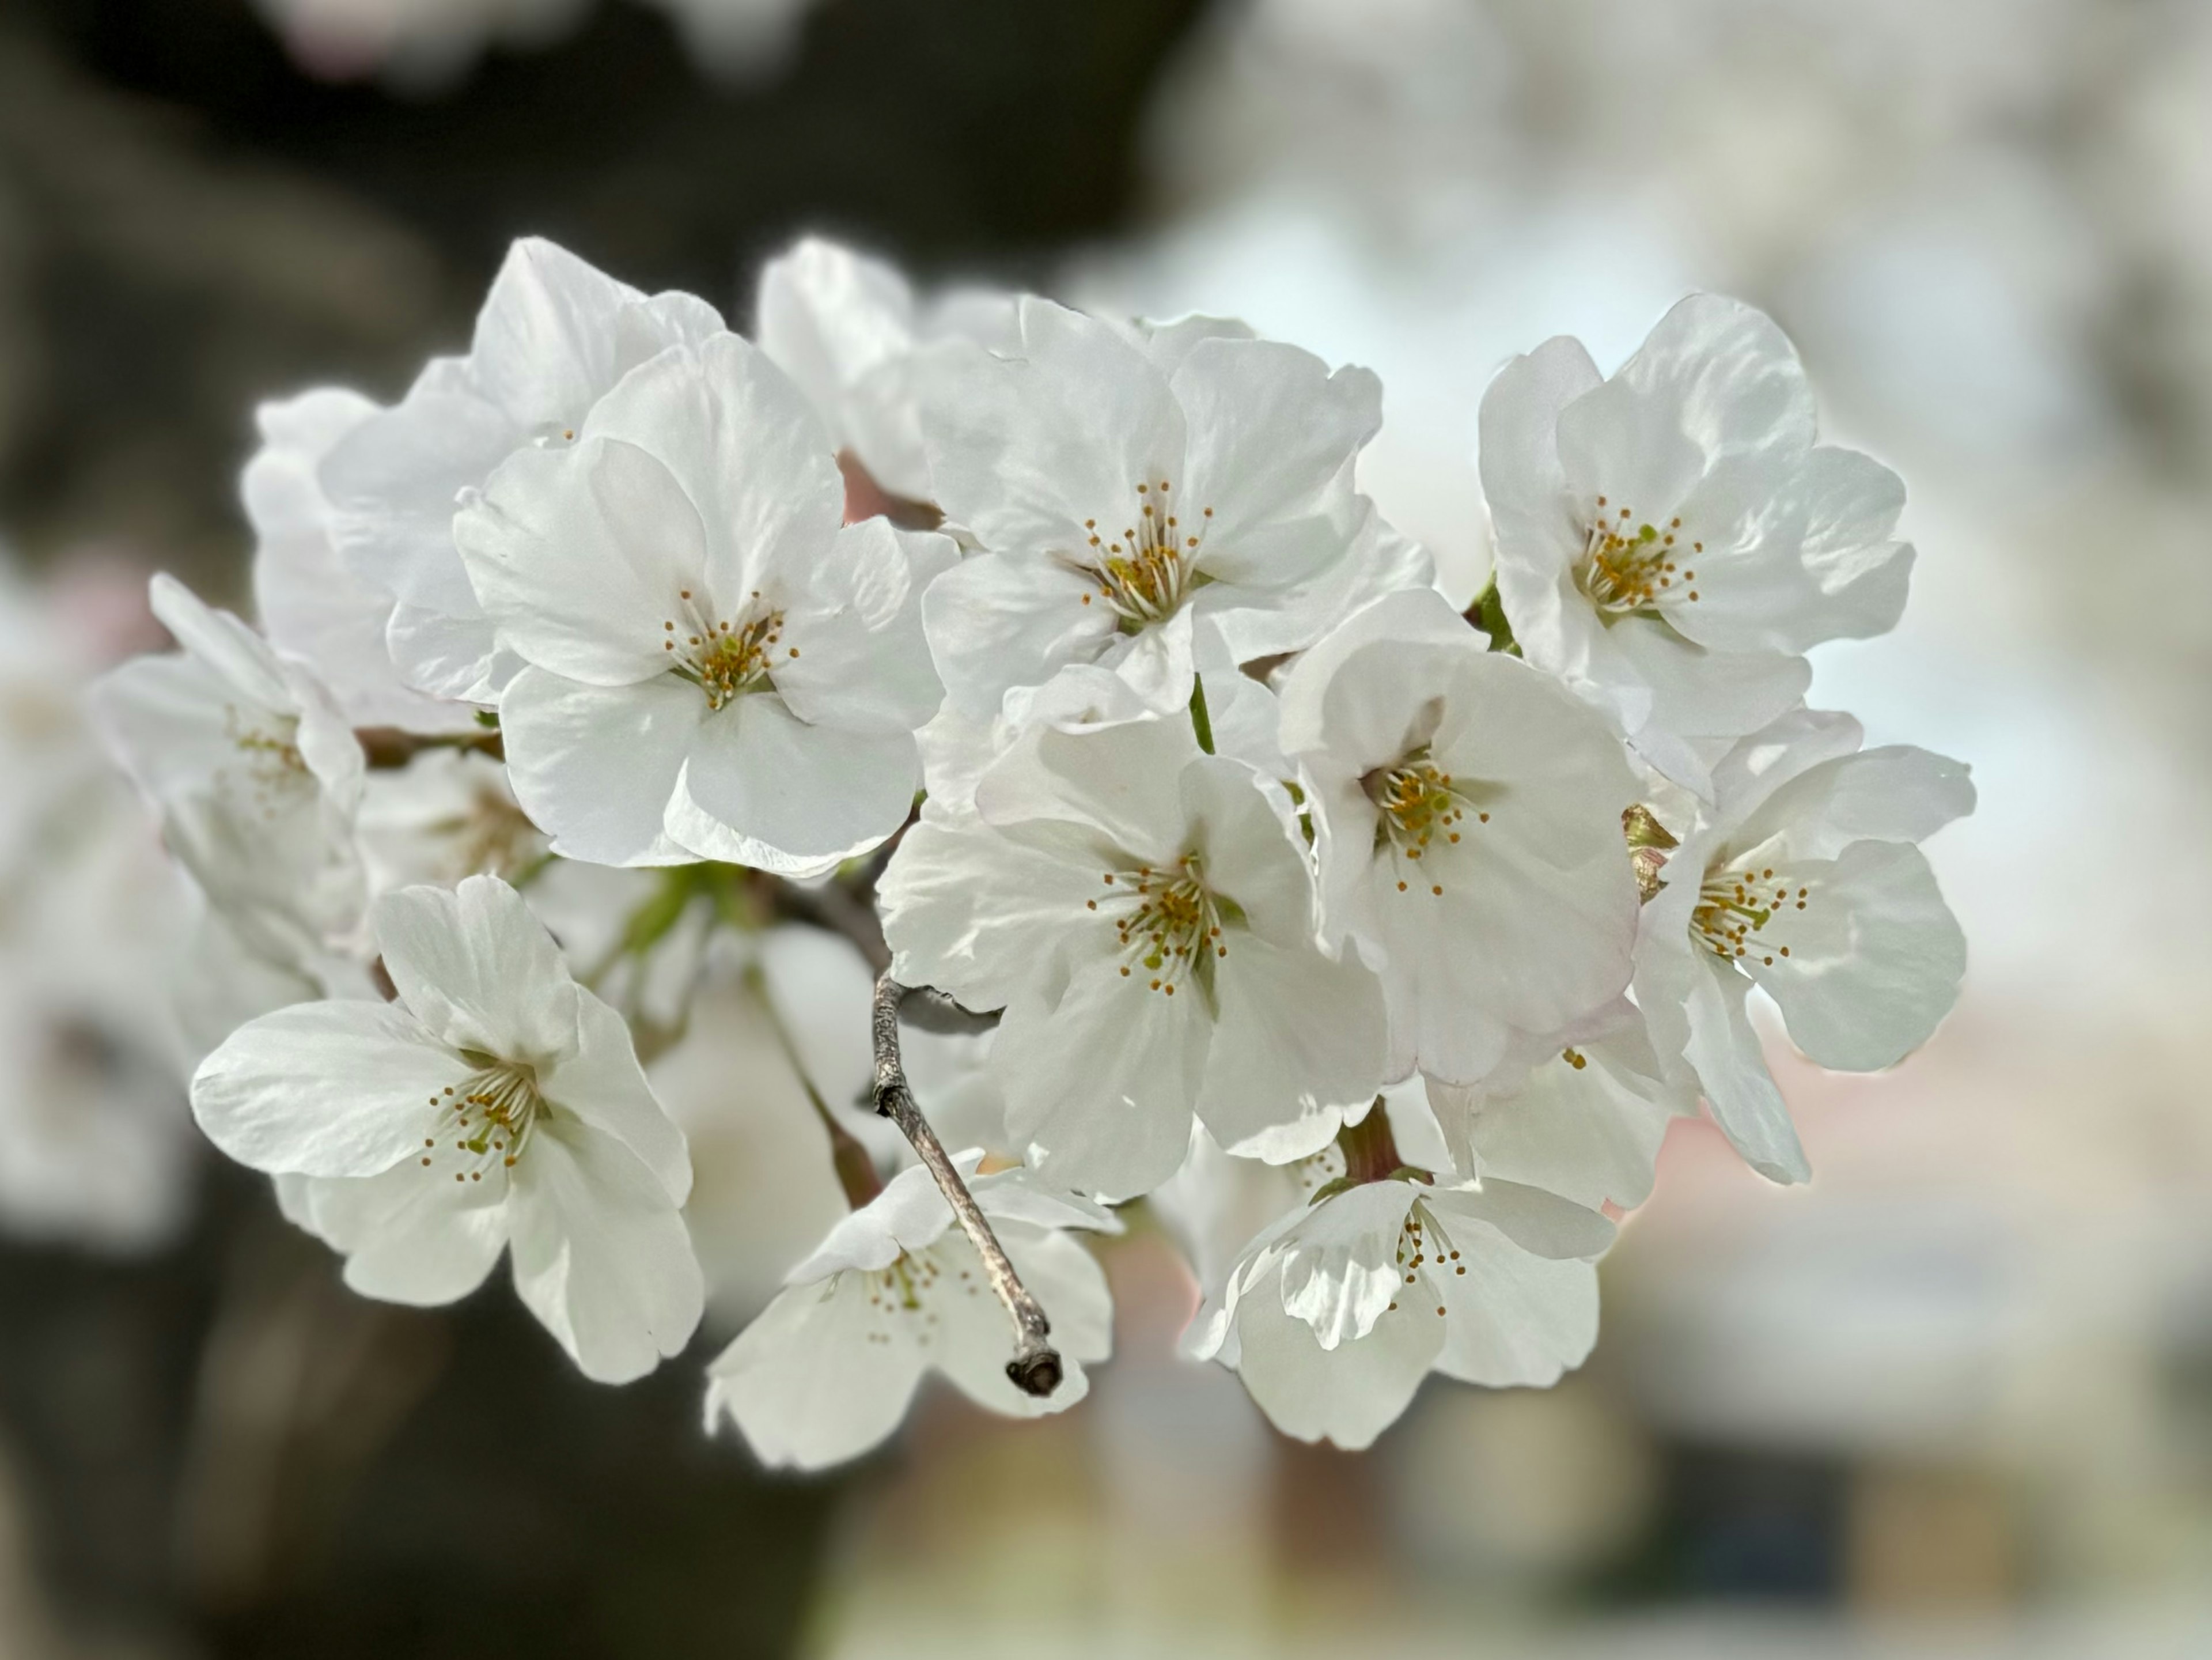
(1628, 566)
(725, 658)
(1418, 803)
(490, 1115)
(1734, 905)
(1173, 927)
(1146, 575)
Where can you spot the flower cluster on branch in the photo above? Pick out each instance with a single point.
(791, 833)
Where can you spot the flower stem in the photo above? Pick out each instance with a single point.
(1036, 1368)
(1200, 721)
(856, 1171)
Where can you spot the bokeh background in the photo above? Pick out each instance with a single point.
(1954, 1398)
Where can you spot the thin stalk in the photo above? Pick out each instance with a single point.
(1036, 1368)
(856, 1171)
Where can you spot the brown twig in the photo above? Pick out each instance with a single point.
(1036, 1368)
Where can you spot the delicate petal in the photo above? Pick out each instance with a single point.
(1732, 1067)
(805, 1384)
(582, 557)
(972, 914)
(603, 1084)
(325, 1089)
(996, 621)
(595, 766)
(857, 658)
(799, 798)
(1874, 961)
(1348, 1395)
(1512, 1318)
(411, 1235)
(739, 441)
(600, 1254)
(1101, 1084)
(479, 971)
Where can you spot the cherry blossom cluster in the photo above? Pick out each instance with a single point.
(798, 833)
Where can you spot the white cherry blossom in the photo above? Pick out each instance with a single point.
(895, 1292)
(256, 777)
(1467, 820)
(1670, 541)
(1804, 879)
(1123, 485)
(714, 669)
(1372, 1279)
(1141, 913)
(497, 1105)
(554, 336)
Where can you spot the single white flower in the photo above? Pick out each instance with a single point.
(715, 668)
(1467, 818)
(897, 1290)
(312, 606)
(1803, 878)
(1142, 915)
(1671, 540)
(846, 328)
(554, 336)
(1374, 1278)
(496, 1104)
(1124, 485)
(256, 777)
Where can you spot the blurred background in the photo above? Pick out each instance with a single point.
(1953, 1399)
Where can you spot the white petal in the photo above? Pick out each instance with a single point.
(798, 798)
(412, 1235)
(1894, 794)
(600, 1254)
(1512, 1318)
(582, 556)
(1299, 1038)
(972, 914)
(742, 444)
(1272, 431)
(1732, 1068)
(603, 1084)
(996, 621)
(596, 767)
(1348, 1395)
(1024, 449)
(803, 1383)
(1340, 1268)
(325, 1089)
(479, 970)
(854, 655)
(1875, 959)
(1102, 1084)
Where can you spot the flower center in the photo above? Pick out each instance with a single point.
(1627, 567)
(484, 1121)
(899, 1296)
(1416, 802)
(725, 657)
(1145, 574)
(1423, 1243)
(274, 765)
(1732, 906)
(1170, 925)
